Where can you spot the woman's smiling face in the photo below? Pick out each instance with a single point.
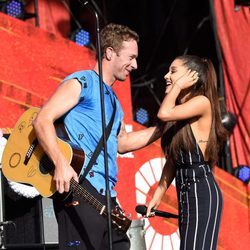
(176, 70)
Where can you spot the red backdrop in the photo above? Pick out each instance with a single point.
(233, 28)
(33, 62)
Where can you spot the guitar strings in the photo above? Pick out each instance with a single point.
(78, 190)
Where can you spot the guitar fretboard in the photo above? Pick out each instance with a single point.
(81, 192)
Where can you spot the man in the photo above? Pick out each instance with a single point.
(77, 102)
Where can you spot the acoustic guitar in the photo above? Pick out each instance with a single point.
(24, 161)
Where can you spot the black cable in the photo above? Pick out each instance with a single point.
(143, 84)
(199, 26)
(36, 13)
(156, 46)
(79, 26)
(71, 14)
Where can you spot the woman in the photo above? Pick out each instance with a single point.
(194, 135)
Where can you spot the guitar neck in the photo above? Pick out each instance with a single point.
(81, 192)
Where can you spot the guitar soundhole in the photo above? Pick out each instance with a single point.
(46, 166)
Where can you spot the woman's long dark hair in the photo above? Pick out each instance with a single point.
(206, 85)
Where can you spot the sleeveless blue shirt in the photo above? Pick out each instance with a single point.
(83, 124)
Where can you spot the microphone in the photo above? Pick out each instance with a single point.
(142, 209)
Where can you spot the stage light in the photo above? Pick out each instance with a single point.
(81, 37)
(142, 116)
(229, 120)
(242, 172)
(14, 8)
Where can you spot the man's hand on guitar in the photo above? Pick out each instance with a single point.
(63, 174)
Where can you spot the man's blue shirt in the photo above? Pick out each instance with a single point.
(83, 124)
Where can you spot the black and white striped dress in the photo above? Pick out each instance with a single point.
(200, 202)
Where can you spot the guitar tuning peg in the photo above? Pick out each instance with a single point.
(119, 209)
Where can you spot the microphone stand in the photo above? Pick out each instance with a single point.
(99, 56)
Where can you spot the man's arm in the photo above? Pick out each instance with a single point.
(65, 97)
(135, 140)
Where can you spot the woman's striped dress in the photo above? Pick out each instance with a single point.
(200, 202)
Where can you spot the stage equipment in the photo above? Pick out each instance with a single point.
(141, 116)
(136, 234)
(242, 172)
(26, 223)
(229, 121)
(81, 37)
(16, 8)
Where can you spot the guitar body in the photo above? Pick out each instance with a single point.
(24, 160)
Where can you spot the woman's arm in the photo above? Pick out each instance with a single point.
(167, 177)
(195, 107)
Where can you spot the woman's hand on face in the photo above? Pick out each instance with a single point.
(187, 80)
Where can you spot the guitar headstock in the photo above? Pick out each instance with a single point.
(119, 221)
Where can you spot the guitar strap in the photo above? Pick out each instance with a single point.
(99, 145)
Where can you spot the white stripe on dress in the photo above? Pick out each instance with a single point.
(190, 158)
(209, 214)
(181, 206)
(185, 243)
(182, 161)
(198, 152)
(196, 205)
(217, 207)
